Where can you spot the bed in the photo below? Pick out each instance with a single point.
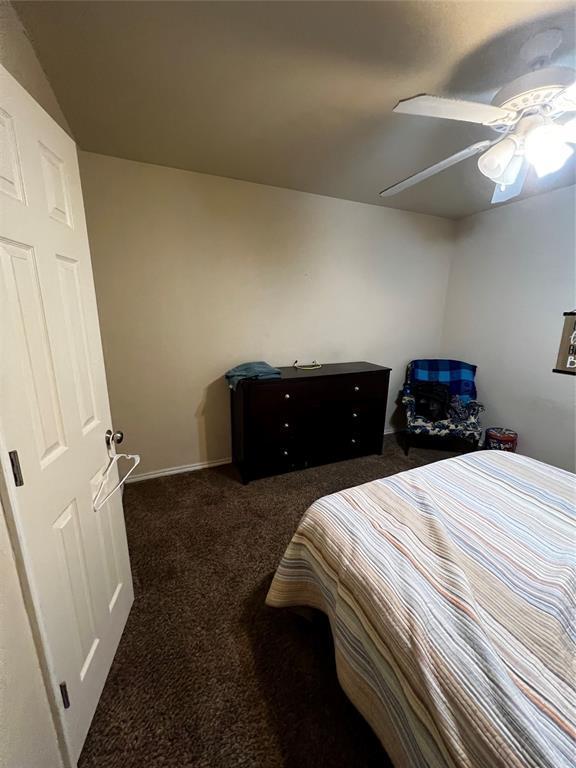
(450, 591)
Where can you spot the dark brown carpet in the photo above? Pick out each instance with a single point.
(206, 675)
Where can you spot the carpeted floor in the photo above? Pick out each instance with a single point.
(206, 675)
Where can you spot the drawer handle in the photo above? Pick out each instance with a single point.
(354, 415)
(356, 389)
(287, 396)
(286, 425)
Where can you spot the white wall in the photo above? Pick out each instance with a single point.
(27, 735)
(511, 280)
(197, 273)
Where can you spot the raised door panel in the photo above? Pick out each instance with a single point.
(72, 560)
(57, 193)
(106, 520)
(11, 183)
(22, 289)
(78, 350)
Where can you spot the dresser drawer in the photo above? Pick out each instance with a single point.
(267, 403)
(364, 415)
(357, 444)
(273, 458)
(360, 387)
(277, 428)
(344, 445)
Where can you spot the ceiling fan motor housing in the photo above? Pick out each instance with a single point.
(533, 91)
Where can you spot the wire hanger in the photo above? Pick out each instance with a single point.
(113, 439)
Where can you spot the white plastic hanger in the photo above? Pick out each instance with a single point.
(114, 458)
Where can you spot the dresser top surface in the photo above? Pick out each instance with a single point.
(329, 369)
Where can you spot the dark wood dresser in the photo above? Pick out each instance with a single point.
(307, 418)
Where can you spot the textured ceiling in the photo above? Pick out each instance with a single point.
(293, 94)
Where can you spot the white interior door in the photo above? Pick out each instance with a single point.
(54, 411)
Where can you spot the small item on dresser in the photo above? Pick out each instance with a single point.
(256, 370)
(307, 366)
(501, 439)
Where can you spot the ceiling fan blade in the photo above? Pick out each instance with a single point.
(501, 194)
(566, 101)
(432, 170)
(455, 109)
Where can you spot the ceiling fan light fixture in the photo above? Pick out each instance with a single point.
(533, 115)
(569, 131)
(496, 160)
(511, 172)
(546, 148)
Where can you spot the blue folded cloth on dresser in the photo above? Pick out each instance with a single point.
(256, 370)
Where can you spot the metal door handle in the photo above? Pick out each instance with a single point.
(113, 437)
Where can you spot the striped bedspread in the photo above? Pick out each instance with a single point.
(450, 591)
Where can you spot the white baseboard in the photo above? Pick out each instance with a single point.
(177, 470)
(194, 467)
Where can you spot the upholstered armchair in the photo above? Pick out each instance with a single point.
(462, 422)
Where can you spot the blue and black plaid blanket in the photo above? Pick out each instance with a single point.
(457, 375)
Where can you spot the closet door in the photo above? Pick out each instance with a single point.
(54, 413)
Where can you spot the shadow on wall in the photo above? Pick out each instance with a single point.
(213, 422)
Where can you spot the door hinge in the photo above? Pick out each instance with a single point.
(16, 471)
(65, 697)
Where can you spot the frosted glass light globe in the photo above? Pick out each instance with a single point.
(546, 149)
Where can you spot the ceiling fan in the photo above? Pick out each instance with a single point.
(530, 114)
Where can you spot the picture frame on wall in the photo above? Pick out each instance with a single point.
(566, 362)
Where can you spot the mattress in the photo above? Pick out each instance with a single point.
(450, 591)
